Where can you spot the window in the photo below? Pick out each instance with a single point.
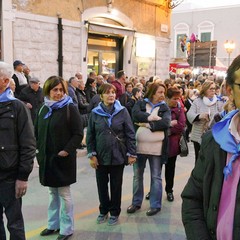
(205, 31)
(181, 30)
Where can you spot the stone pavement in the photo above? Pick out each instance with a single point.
(165, 225)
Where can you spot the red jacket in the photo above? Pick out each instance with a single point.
(120, 89)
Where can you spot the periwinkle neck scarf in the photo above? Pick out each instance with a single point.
(102, 110)
(7, 95)
(52, 105)
(153, 106)
(226, 141)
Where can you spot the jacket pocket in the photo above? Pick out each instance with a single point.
(8, 159)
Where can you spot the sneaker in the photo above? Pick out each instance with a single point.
(170, 197)
(113, 220)
(102, 218)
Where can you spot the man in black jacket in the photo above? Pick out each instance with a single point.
(32, 96)
(17, 151)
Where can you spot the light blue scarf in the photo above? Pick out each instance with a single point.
(7, 95)
(153, 105)
(226, 141)
(52, 105)
(117, 107)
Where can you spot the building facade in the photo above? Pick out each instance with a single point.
(219, 23)
(79, 35)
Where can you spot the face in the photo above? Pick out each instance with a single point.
(234, 92)
(159, 95)
(19, 68)
(4, 81)
(129, 88)
(57, 93)
(81, 85)
(173, 101)
(211, 91)
(138, 94)
(12, 85)
(75, 82)
(35, 86)
(109, 97)
(94, 84)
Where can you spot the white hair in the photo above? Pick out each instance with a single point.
(5, 70)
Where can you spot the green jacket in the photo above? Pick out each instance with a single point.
(201, 195)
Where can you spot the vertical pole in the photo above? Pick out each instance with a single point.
(210, 58)
(60, 47)
(229, 58)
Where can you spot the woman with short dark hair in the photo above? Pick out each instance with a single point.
(59, 132)
(110, 145)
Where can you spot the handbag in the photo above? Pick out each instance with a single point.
(183, 145)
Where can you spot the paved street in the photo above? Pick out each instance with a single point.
(165, 225)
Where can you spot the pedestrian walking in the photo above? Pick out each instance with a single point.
(18, 148)
(211, 205)
(59, 132)
(110, 145)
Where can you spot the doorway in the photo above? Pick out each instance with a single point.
(105, 54)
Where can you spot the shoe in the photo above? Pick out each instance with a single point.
(153, 211)
(102, 218)
(113, 220)
(47, 232)
(63, 237)
(147, 196)
(132, 209)
(170, 197)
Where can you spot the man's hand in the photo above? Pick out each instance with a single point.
(131, 160)
(20, 188)
(93, 162)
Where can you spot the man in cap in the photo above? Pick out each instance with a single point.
(32, 95)
(19, 77)
(18, 147)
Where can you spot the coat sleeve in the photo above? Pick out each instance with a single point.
(26, 141)
(162, 124)
(181, 122)
(193, 197)
(138, 115)
(129, 134)
(91, 136)
(192, 114)
(76, 127)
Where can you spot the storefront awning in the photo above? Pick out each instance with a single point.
(109, 29)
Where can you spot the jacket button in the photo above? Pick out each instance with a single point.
(214, 208)
(2, 147)
(212, 232)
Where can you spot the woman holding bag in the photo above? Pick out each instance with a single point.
(59, 132)
(110, 144)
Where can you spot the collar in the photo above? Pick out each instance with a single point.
(7, 95)
(153, 105)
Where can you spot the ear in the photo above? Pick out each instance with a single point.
(229, 92)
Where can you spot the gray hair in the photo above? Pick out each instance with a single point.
(5, 70)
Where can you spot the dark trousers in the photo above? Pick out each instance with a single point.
(13, 211)
(170, 173)
(111, 203)
(196, 149)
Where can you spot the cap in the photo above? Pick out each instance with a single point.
(17, 62)
(34, 80)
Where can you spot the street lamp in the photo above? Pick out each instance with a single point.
(229, 46)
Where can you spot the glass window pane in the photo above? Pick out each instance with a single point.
(205, 37)
(93, 62)
(108, 62)
(181, 51)
(102, 42)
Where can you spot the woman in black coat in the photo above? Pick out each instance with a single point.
(110, 144)
(58, 132)
(90, 89)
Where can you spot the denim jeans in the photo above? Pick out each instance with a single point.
(13, 211)
(156, 181)
(60, 210)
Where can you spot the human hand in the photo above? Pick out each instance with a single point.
(29, 105)
(20, 188)
(93, 162)
(174, 123)
(153, 118)
(63, 153)
(131, 160)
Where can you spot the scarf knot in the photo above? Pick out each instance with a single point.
(153, 106)
(7, 95)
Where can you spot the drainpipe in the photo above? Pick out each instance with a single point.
(60, 47)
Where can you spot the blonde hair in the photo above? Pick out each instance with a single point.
(206, 85)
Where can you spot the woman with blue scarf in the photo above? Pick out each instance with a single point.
(152, 117)
(110, 145)
(59, 132)
(211, 206)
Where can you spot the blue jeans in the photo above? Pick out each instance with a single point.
(60, 210)
(13, 211)
(156, 181)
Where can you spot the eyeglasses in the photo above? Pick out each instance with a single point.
(238, 84)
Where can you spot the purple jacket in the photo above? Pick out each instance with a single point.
(175, 132)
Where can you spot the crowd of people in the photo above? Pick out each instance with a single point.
(129, 121)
